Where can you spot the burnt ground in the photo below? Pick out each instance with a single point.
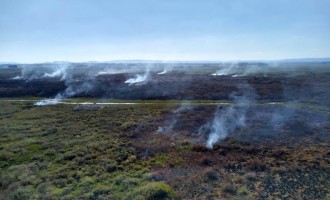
(179, 86)
(263, 123)
(281, 152)
(286, 159)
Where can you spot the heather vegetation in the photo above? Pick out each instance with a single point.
(179, 134)
(53, 152)
(114, 152)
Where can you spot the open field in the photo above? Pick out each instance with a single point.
(271, 129)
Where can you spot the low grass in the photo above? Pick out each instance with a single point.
(55, 152)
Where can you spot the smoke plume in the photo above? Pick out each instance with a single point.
(74, 85)
(46, 102)
(227, 119)
(28, 73)
(31, 72)
(59, 71)
(77, 85)
(111, 71)
(171, 121)
(166, 70)
(139, 78)
(236, 70)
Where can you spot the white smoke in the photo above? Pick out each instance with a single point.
(163, 72)
(166, 70)
(46, 102)
(73, 85)
(172, 119)
(235, 70)
(139, 78)
(111, 71)
(27, 73)
(224, 72)
(226, 120)
(59, 71)
(31, 72)
(75, 88)
(17, 78)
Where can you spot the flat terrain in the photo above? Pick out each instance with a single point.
(152, 144)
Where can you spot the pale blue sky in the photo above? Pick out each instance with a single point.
(103, 30)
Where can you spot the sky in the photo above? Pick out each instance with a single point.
(183, 30)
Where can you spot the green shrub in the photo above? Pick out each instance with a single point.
(3, 164)
(152, 191)
(21, 193)
(100, 191)
(6, 155)
(243, 191)
(111, 167)
(127, 125)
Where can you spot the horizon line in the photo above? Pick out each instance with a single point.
(306, 59)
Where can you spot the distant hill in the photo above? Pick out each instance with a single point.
(306, 60)
(294, 60)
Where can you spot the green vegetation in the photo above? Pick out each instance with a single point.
(114, 152)
(53, 152)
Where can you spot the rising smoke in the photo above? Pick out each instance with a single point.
(235, 70)
(30, 72)
(227, 119)
(172, 119)
(46, 102)
(166, 70)
(110, 72)
(59, 71)
(74, 85)
(77, 85)
(140, 78)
